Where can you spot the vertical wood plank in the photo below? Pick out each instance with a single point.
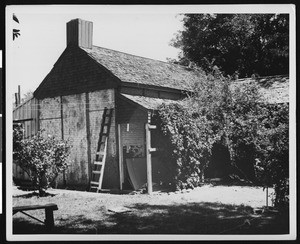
(61, 118)
(90, 40)
(88, 135)
(38, 115)
(62, 133)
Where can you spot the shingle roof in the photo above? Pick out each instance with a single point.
(149, 102)
(139, 70)
(273, 89)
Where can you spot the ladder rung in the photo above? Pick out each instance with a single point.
(100, 153)
(96, 172)
(98, 162)
(96, 187)
(101, 142)
(94, 182)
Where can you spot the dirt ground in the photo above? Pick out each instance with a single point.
(204, 210)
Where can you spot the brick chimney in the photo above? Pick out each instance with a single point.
(80, 33)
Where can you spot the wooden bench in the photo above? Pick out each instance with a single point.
(49, 208)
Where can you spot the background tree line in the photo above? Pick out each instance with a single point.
(239, 44)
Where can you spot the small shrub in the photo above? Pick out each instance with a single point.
(42, 157)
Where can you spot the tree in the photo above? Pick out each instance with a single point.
(42, 157)
(241, 44)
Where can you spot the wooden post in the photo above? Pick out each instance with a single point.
(19, 94)
(267, 197)
(16, 99)
(49, 221)
(120, 157)
(148, 159)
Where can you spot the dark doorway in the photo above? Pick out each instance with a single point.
(219, 165)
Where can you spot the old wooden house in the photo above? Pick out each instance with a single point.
(88, 84)
(86, 79)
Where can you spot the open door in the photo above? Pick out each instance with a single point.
(131, 140)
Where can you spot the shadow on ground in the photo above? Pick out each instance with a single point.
(35, 194)
(191, 218)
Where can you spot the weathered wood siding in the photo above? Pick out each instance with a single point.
(27, 114)
(50, 116)
(75, 72)
(74, 130)
(77, 118)
(98, 101)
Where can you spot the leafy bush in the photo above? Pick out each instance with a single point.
(186, 143)
(18, 134)
(272, 147)
(219, 113)
(232, 115)
(41, 157)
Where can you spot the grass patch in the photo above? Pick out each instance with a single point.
(92, 213)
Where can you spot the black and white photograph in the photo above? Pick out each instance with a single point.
(150, 122)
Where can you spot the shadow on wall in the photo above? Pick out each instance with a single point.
(191, 218)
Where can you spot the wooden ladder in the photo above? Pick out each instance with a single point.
(99, 164)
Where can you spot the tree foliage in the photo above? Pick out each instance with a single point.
(186, 145)
(42, 157)
(272, 147)
(243, 44)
